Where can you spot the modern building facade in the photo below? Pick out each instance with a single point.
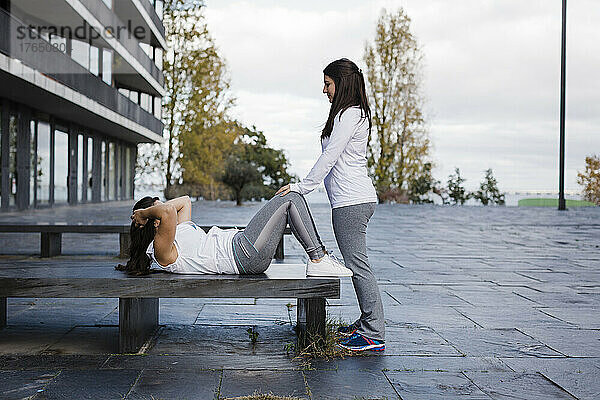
(81, 85)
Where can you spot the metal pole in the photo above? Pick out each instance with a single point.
(563, 78)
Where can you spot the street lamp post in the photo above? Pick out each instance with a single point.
(563, 78)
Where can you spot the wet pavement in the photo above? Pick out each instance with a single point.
(480, 303)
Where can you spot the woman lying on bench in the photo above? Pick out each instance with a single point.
(164, 233)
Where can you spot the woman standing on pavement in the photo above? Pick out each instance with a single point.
(343, 167)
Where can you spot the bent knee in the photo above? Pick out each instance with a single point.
(293, 196)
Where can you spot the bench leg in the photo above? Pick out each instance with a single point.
(138, 320)
(124, 242)
(311, 320)
(51, 244)
(3, 312)
(279, 251)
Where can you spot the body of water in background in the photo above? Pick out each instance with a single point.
(319, 196)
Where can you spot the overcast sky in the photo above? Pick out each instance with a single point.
(491, 78)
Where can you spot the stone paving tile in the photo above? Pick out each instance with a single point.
(334, 385)
(64, 312)
(29, 339)
(412, 363)
(204, 361)
(479, 342)
(571, 342)
(24, 384)
(433, 317)
(91, 384)
(417, 341)
(585, 317)
(51, 362)
(430, 385)
(170, 385)
(525, 386)
(237, 383)
(499, 317)
(207, 339)
(87, 340)
(430, 296)
(578, 376)
(229, 314)
(490, 297)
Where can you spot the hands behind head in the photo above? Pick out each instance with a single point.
(139, 220)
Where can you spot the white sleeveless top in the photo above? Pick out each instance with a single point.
(199, 252)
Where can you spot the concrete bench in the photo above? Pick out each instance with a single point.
(51, 235)
(139, 296)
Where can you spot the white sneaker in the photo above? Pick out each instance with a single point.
(328, 266)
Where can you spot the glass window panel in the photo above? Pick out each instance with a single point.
(80, 177)
(158, 107)
(103, 171)
(107, 56)
(43, 163)
(80, 52)
(133, 96)
(108, 3)
(61, 166)
(12, 159)
(59, 42)
(146, 48)
(1, 134)
(158, 6)
(33, 164)
(94, 60)
(90, 163)
(127, 173)
(158, 57)
(112, 170)
(124, 92)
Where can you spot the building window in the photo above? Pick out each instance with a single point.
(90, 164)
(43, 163)
(59, 42)
(80, 177)
(32, 162)
(107, 56)
(61, 166)
(134, 96)
(103, 172)
(108, 3)
(127, 173)
(94, 60)
(158, 57)
(112, 170)
(158, 6)
(80, 52)
(158, 107)
(12, 159)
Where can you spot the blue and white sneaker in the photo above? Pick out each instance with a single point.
(358, 342)
(346, 331)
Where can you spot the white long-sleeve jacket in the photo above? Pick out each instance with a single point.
(343, 163)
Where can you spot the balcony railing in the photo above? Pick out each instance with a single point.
(154, 16)
(109, 18)
(59, 66)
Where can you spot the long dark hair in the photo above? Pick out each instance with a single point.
(349, 91)
(141, 237)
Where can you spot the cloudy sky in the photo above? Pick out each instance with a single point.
(491, 78)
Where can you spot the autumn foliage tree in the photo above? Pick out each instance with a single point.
(590, 179)
(197, 132)
(399, 145)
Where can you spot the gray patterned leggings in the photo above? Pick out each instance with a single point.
(254, 247)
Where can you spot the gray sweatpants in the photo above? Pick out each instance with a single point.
(254, 247)
(350, 228)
